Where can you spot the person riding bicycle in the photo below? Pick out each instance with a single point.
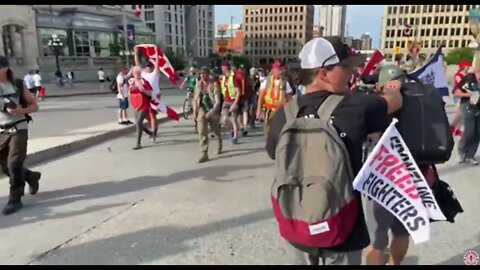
(192, 79)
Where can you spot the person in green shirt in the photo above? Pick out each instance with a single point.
(191, 80)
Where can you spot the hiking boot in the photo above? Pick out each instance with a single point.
(138, 147)
(471, 161)
(204, 158)
(13, 205)
(33, 182)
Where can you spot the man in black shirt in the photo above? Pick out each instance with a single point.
(326, 68)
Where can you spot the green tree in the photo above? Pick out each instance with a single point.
(457, 55)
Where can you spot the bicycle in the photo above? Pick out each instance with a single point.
(187, 104)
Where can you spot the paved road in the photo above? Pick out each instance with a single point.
(112, 205)
(59, 115)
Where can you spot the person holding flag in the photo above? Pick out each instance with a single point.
(463, 68)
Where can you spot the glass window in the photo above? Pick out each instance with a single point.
(168, 17)
(151, 26)
(149, 16)
(101, 43)
(82, 47)
(46, 35)
(148, 6)
(168, 39)
(168, 28)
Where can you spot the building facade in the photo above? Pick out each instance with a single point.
(184, 29)
(366, 42)
(231, 37)
(89, 33)
(333, 19)
(431, 25)
(276, 31)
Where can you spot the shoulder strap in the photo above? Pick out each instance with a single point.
(291, 109)
(326, 108)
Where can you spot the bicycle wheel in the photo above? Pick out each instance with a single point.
(187, 108)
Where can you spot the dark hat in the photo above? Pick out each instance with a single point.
(321, 52)
(4, 62)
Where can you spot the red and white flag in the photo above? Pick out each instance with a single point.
(150, 52)
(138, 10)
(376, 58)
(157, 103)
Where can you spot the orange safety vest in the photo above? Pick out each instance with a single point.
(274, 96)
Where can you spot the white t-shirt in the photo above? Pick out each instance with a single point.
(153, 78)
(29, 82)
(276, 84)
(121, 80)
(101, 75)
(37, 80)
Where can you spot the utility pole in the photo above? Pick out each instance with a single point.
(125, 34)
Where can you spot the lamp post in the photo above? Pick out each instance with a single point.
(55, 44)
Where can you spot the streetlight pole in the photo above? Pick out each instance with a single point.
(55, 44)
(125, 34)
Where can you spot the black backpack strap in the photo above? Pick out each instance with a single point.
(291, 109)
(328, 106)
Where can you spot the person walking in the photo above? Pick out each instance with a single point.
(101, 78)
(37, 79)
(122, 96)
(206, 109)
(16, 103)
(29, 82)
(456, 126)
(230, 87)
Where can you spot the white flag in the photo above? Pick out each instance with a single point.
(391, 177)
(433, 73)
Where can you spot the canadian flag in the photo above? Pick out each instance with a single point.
(150, 51)
(407, 32)
(376, 58)
(138, 10)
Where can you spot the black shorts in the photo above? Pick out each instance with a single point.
(33, 90)
(244, 106)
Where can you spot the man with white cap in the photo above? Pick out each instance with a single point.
(327, 65)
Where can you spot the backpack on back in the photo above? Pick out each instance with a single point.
(312, 194)
(423, 124)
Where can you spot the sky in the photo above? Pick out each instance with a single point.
(360, 19)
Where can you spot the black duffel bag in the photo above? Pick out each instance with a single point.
(446, 199)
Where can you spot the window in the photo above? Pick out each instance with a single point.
(424, 20)
(176, 18)
(445, 31)
(447, 20)
(149, 16)
(450, 44)
(394, 10)
(168, 7)
(168, 28)
(148, 6)
(457, 31)
(46, 34)
(465, 31)
(429, 20)
(454, 20)
(181, 30)
(401, 10)
(81, 42)
(456, 43)
(441, 20)
(176, 40)
(435, 21)
(389, 10)
(413, 9)
(435, 31)
(417, 21)
(168, 17)
(168, 39)
(151, 26)
(391, 44)
(175, 8)
(386, 45)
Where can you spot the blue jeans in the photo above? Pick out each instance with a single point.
(470, 140)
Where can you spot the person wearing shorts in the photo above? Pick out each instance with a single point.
(379, 222)
(230, 87)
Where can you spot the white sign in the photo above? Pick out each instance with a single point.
(391, 177)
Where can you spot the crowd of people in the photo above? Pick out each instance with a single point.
(327, 87)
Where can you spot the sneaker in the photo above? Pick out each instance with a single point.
(471, 161)
(461, 159)
(234, 140)
(244, 132)
(121, 123)
(128, 122)
(153, 138)
(138, 147)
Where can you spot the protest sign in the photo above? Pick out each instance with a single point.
(391, 177)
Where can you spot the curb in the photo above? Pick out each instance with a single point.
(60, 151)
(92, 93)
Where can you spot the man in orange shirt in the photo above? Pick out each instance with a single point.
(274, 92)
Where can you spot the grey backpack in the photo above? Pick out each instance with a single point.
(312, 194)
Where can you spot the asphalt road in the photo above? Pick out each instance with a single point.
(112, 205)
(60, 115)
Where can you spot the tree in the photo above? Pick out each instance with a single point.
(457, 55)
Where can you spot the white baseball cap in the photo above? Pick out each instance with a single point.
(329, 51)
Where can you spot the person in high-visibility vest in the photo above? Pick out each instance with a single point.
(230, 87)
(274, 92)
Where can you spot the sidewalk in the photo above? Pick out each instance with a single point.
(45, 149)
(89, 88)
